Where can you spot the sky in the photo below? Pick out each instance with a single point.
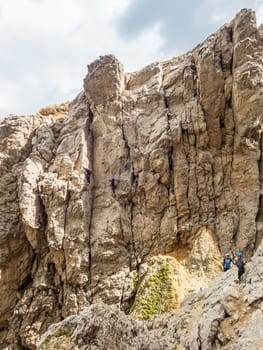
(46, 45)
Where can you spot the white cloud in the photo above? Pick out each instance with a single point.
(259, 9)
(47, 44)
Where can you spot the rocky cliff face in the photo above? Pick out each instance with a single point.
(225, 316)
(183, 141)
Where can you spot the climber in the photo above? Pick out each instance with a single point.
(113, 184)
(88, 173)
(240, 265)
(227, 262)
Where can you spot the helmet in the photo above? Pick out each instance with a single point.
(239, 254)
(227, 254)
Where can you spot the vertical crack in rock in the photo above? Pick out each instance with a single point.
(232, 119)
(43, 244)
(231, 145)
(212, 214)
(126, 143)
(133, 245)
(182, 138)
(194, 180)
(170, 185)
(171, 149)
(67, 204)
(199, 338)
(186, 149)
(90, 151)
(196, 130)
(259, 216)
(132, 184)
(135, 258)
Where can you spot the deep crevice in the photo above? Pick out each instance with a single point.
(25, 284)
(133, 179)
(43, 216)
(231, 40)
(170, 186)
(20, 346)
(259, 216)
(133, 252)
(199, 342)
(90, 142)
(170, 155)
(67, 200)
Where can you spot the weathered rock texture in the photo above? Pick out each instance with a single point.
(183, 140)
(226, 316)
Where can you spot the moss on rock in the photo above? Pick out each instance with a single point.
(153, 290)
(165, 280)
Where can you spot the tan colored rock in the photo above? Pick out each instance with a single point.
(165, 281)
(55, 111)
(183, 140)
(219, 317)
(105, 80)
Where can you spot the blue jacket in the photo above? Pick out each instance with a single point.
(227, 263)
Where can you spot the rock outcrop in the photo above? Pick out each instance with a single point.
(225, 316)
(182, 139)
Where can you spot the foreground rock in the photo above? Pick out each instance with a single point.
(228, 316)
(182, 139)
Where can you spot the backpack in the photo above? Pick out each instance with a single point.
(227, 263)
(241, 265)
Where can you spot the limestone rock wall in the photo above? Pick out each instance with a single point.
(182, 139)
(225, 316)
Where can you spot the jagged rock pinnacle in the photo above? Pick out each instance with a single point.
(105, 79)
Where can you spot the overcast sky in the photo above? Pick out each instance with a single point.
(45, 45)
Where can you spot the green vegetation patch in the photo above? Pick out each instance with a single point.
(152, 293)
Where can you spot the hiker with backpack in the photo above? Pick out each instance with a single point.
(227, 262)
(240, 264)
